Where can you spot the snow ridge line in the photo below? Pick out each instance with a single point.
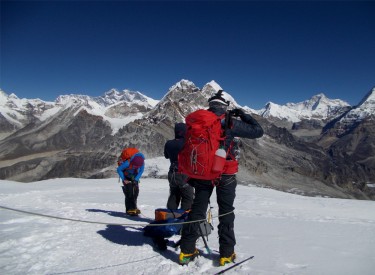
(106, 223)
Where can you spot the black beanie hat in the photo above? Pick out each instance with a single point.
(219, 97)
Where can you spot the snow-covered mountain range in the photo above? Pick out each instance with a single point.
(319, 146)
(317, 107)
(116, 107)
(121, 107)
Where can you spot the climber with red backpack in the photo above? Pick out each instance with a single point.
(210, 159)
(130, 169)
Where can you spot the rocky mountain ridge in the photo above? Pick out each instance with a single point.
(77, 141)
(16, 113)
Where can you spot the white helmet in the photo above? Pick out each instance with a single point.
(221, 97)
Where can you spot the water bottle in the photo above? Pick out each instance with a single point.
(219, 161)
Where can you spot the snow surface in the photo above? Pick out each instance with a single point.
(287, 233)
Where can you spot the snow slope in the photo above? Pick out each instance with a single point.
(287, 233)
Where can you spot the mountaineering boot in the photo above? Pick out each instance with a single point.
(184, 259)
(133, 212)
(227, 260)
(137, 211)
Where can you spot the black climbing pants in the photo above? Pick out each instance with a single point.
(179, 191)
(131, 192)
(225, 192)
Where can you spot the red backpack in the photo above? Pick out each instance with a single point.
(127, 154)
(202, 139)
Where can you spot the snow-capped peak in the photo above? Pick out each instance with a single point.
(214, 85)
(365, 108)
(318, 107)
(73, 99)
(112, 93)
(3, 96)
(113, 96)
(13, 96)
(369, 98)
(212, 88)
(181, 85)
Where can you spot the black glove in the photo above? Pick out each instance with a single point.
(134, 181)
(237, 113)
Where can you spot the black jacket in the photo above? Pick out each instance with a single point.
(247, 127)
(174, 146)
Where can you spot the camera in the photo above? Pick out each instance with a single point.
(236, 112)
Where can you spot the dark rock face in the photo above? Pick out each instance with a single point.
(281, 161)
(308, 124)
(125, 109)
(354, 154)
(5, 126)
(33, 153)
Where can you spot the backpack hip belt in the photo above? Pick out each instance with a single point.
(230, 167)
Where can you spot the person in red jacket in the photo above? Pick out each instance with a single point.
(244, 127)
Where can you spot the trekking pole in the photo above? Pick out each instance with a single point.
(204, 240)
(209, 216)
(134, 186)
(206, 223)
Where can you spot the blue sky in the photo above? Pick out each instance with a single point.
(275, 51)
